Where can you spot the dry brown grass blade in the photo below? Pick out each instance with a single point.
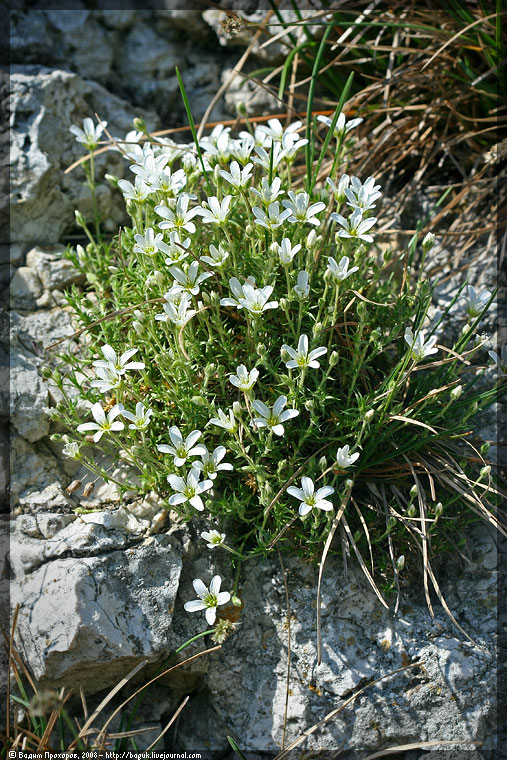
(419, 745)
(169, 724)
(362, 563)
(334, 525)
(458, 34)
(106, 701)
(338, 710)
(102, 732)
(236, 70)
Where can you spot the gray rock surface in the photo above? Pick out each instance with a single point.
(44, 103)
(244, 685)
(94, 601)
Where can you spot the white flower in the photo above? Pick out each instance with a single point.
(189, 489)
(500, 361)
(148, 165)
(300, 356)
(286, 251)
(309, 498)
(214, 538)
(237, 291)
(345, 459)
(139, 420)
(342, 126)
(149, 243)
(269, 193)
(339, 191)
(177, 312)
(134, 192)
(131, 143)
(362, 196)
(300, 210)
(108, 378)
(182, 449)
(255, 300)
(302, 287)
(290, 145)
(217, 212)
(419, 348)
(355, 226)
(275, 131)
(89, 136)
(167, 182)
(72, 450)
(189, 280)
(176, 249)
(120, 364)
(341, 271)
(103, 424)
(244, 380)
(242, 148)
(212, 463)
(224, 421)
(237, 177)
(209, 599)
(273, 219)
(263, 157)
(180, 218)
(273, 418)
(217, 257)
(475, 301)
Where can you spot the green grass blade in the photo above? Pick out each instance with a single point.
(235, 747)
(192, 128)
(329, 135)
(311, 93)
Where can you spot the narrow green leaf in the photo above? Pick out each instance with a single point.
(192, 128)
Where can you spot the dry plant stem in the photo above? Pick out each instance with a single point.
(419, 745)
(160, 675)
(338, 710)
(332, 530)
(231, 76)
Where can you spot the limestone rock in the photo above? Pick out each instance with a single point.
(53, 270)
(93, 604)
(29, 398)
(25, 288)
(361, 641)
(44, 103)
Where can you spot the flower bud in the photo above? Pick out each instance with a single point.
(73, 486)
(456, 392)
(309, 405)
(361, 309)
(46, 372)
(80, 220)
(236, 601)
(369, 415)
(88, 490)
(55, 437)
(311, 240)
(241, 108)
(282, 464)
(113, 270)
(413, 491)
(209, 369)
(485, 447)
(111, 180)
(284, 304)
(249, 229)
(485, 471)
(411, 511)
(138, 327)
(428, 241)
(236, 408)
(391, 523)
(438, 509)
(400, 562)
(261, 349)
(139, 124)
(199, 401)
(274, 248)
(349, 483)
(81, 254)
(334, 358)
(323, 462)
(317, 328)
